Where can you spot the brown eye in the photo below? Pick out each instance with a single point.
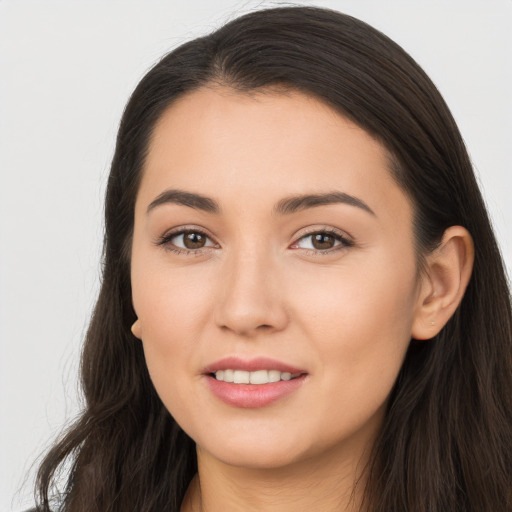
(322, 241)
(193, 240)
(187, 240)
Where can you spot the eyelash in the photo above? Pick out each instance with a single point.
(344, 242)
(165, 241)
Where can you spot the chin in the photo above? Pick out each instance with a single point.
(256, 457)
(273, 450)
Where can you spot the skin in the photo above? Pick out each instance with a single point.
(260, 288)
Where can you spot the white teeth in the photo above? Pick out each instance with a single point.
(257, 377)
(241, 377)
(274, 376)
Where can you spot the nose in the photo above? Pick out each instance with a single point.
(251, 299)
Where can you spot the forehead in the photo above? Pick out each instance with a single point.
(266, 144)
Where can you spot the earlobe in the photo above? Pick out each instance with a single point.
(136, 329)
(447, 274)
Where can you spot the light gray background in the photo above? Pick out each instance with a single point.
(66, 71)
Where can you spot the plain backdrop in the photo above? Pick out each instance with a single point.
(66, 71)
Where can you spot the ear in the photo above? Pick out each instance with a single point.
(136, 329)
(447, 273)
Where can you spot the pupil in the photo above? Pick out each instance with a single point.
(323, 241)
(194, 240)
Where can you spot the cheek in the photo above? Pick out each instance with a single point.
(357, 296)
(170, 323)
(360, 318)
(167, 299)
(170, 305)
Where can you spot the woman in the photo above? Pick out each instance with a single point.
(303, 305)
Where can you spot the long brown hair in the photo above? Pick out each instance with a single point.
(446, 443)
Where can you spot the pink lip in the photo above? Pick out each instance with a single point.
(252, 395)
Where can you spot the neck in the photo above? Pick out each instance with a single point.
(333, 482)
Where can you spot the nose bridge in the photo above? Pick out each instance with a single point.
(250, 297)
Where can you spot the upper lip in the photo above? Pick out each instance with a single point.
(251, 365)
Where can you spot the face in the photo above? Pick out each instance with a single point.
(273, 275)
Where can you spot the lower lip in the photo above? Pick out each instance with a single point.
(252, 395)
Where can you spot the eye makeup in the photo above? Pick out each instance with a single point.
(323, 241)
(192, 240)
(187, 241)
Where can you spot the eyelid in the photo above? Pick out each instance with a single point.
(345, 239)
(324, 228)
(165, 240)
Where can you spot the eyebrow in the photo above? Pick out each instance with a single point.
(298, 203)
(285, 206)
(192, 200)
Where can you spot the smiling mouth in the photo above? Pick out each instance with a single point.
(257, 377)
(253, 383)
